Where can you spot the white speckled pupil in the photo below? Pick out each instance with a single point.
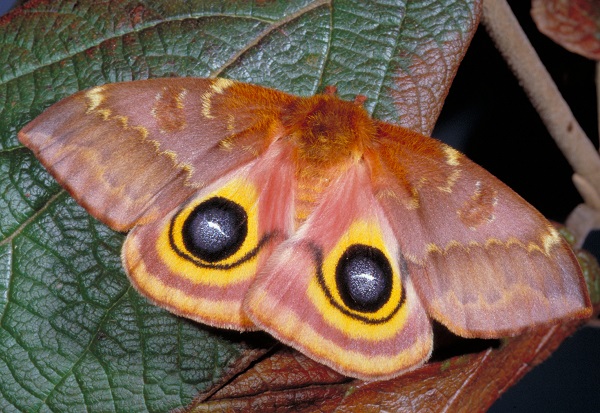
(214, 229)
(366, 280)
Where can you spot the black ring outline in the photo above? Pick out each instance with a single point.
(318, 258)
(202, 264)
(241, 236)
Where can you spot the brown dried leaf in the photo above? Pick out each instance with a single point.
(574, 24)
(288, 381)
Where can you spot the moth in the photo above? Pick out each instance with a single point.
(340, 235)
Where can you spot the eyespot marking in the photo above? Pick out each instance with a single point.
(215, 229)
(364, 278)
(379, 313)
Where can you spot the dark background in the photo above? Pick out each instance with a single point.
(488, 116)
(6, 5)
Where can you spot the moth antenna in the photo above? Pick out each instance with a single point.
(360, 100)
(330, 90)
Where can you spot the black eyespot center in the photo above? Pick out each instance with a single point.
(215, 229)
(364, 278)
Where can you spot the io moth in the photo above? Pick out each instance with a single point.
(340, 235)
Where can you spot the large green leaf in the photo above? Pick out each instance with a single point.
(74, 335)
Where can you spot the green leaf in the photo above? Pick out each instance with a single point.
(74, 334)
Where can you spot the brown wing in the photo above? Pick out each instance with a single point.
(484, 261)
(130, 152)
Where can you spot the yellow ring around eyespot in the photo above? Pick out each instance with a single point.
(241, 192)
(366, 233)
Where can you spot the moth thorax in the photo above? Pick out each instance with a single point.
(326, 130)
(327, 135)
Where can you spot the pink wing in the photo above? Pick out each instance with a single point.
(200, 260)
(338, 289)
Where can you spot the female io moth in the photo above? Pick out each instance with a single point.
(338, 234)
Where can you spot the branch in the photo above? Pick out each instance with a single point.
(520, 55)
(543, 93)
